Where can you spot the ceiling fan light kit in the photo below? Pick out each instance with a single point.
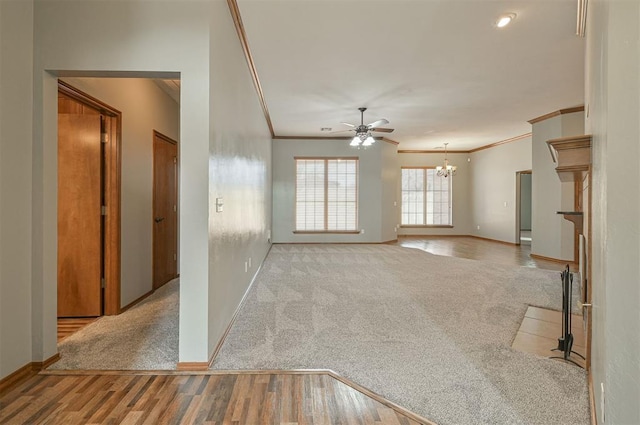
(363, 131)
(364, 139)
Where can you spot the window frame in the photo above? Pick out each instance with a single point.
(433, 226)
(326, 160)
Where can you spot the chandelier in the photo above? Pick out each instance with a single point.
(363, 138)
(446, 170)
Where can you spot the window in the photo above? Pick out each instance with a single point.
(426, 198)
(327, 194)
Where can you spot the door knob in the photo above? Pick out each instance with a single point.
(158, 219)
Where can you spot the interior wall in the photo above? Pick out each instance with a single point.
(572, 124)
(239, 173)
(493, 183)
(546, 192)
(145, 107)
(77, 38)
(525, 202)
(390, 207)
(552, 235)
(284, 184)
(462, 214)
(16, 104)
(613, 99)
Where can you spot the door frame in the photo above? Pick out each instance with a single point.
(157, 134)
(112, 189)
(519, 201)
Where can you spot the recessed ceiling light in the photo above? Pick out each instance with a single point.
(504, 20)
(326, 129)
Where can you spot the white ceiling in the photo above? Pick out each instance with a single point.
(438, 70)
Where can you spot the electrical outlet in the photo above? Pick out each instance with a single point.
(505, 204)
(362, 231)
(395, 203)
(478, 227)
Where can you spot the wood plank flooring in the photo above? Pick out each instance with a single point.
(69, 326)
(540, 330)
(291, 399)
(479, 249)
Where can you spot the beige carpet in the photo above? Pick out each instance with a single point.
(431, 333)
(142, 338)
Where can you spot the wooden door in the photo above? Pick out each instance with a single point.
(165, 209)
(79, 215)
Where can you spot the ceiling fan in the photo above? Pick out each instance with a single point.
(363, 131)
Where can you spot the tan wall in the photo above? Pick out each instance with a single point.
(239, 172)
(493, 183)
(613, 101)
(552, 236)
(390, 202)
(16, 103)
(369, 189)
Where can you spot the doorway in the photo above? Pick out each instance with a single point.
(88, 205)
(165, 209)
(523, 207)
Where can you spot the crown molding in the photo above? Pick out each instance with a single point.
(310, 138)
(501, 142)
(557, 113)
(242, 35)
(382, 139)
(491, 145)
(429, 151)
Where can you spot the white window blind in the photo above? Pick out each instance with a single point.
(326, 194)
(426, 197)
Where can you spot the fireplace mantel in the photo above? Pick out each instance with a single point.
(573, 156)
(576, 217)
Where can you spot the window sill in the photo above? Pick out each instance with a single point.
(325, 232)
(426, 226)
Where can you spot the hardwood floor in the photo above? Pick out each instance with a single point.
(69, 326)
(540, 330)
(313, 398)
(479, 249)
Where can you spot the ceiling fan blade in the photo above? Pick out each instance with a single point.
(377, 123)
(383, 130)
(341, 131)
(350, 125)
